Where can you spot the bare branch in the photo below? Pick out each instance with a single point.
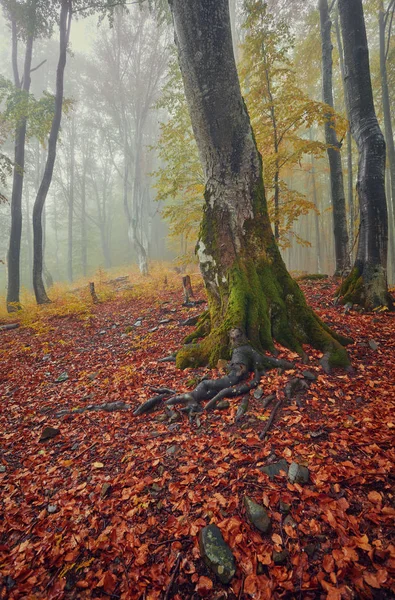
(38, 66)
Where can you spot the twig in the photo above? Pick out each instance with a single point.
(263, 433)
(167, 595)
(241, 592)
(86, 450)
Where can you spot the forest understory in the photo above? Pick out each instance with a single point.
(110, 505)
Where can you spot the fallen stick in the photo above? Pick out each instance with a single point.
(9, 326)
(263, 433)
(167, 595)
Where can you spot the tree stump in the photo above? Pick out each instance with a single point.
(93, 294)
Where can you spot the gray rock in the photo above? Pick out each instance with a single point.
(52, 508)
(102, 332)
(258, 393)
(290, 521)
(279, 558)
(297, 473)
(48, 433)
(275, 468)
(284, 507)
(105, 490)
(374, 345)
(171, 450)
(257, 515)
(311, 549)
(152, 329)
(216, 553)
(222, 405)
(309, 375)
(138, 323)
(2, 469)
(62, 377)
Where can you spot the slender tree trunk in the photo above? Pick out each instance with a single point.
(389, 135)
(14, 250)
(137, 198)
(342, 258)
(29, 235)
(367, 283)
(316, 217)
(64, 30)
(84, 250)
(71, 204)
(247, 283)
(350, 177)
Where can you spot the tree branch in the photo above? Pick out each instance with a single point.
(38, 66)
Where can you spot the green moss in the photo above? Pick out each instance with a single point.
(351, 290)
(202, 328)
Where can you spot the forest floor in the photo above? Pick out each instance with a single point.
(111, 507)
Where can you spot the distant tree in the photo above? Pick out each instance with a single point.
(342, 258)
(367, 283)
(246, 280)
(179, 180)
(280, 112)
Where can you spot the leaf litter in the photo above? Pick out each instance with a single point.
(102, 509)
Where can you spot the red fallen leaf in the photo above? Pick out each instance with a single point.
(108, 582)
(350, 554)
(375, 497)
(83, 584)
(371, 580)
(204, 586)
(277, 539)
(328, 563)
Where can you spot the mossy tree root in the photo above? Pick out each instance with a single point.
(268, 305)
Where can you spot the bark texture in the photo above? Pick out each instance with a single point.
(333, 148)
(389, 134)
(247, 283)
(38, 283)
(367, 283)
(14, 249)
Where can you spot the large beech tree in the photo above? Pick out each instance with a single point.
(367, 283)
(247, 283)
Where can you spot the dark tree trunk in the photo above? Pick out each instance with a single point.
(247, 283)
(350, 177)
(342, 258)
(14, 250)
(367, 283)
(64, 31)
(316, 217)
(389, 135)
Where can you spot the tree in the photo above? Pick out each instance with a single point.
(367, 283)
(280, 114)
(64, 32)
(333, 148)
(247, 283)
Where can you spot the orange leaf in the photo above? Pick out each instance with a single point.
(204, 586)
(277, 539)
(371, 580)
(374, 497)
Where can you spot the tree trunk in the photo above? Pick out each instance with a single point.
(389, 135)
(342, 258)
(247, 283)
(71, 204)
(367, 283)
(84, 246)
(64, 30)
(14, 250)
(316, 217)
(350, 178)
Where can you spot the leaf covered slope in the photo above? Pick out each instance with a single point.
(106, 506)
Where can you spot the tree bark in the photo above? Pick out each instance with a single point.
(389, 135)
(71, 204)
(64, 31)
(14, 249)
(342, 259)
(367, 283)
(247, 283)
(350, 177)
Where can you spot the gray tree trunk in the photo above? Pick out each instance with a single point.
(342, 259)
(14, 249)
(350, 176)
(389, 134)
(367, 283)
(64, 31)
(71, 204)
(246, 280)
